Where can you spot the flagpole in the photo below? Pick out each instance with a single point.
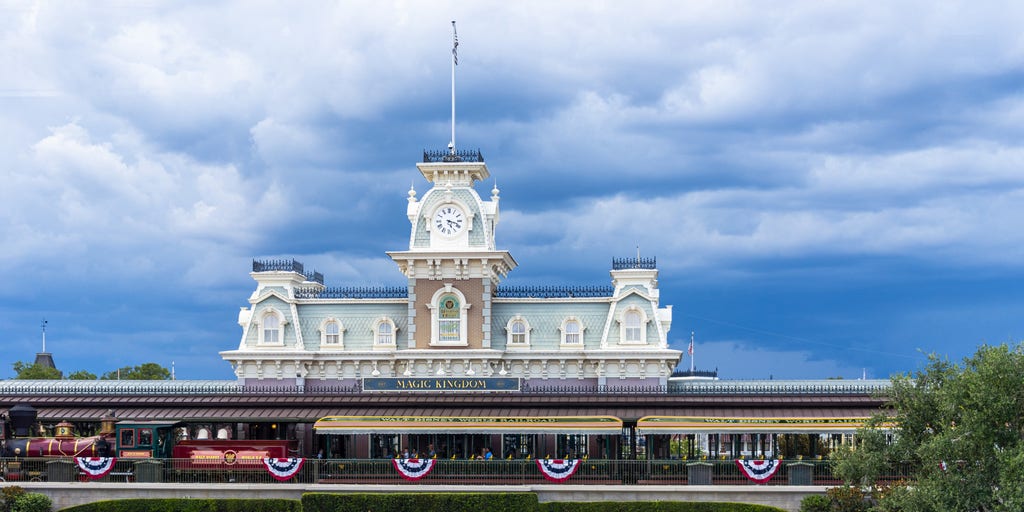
(691, 352)
(455, 62)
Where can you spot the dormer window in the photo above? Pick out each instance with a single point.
(332, 334)
(271, 328)
(572, 333)
(633, 327)
(518, 330)
(384, 333)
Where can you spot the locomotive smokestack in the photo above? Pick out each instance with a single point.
(107, 423)
(23, 416)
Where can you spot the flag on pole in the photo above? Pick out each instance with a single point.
(455, 45)
(689, 350)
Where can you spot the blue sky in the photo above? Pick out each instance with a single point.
(830, 188)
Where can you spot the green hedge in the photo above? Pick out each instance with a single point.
(499, 502)
(190, 505)
(32, 502)
(654, 506)
(407, 502)
(421, 502)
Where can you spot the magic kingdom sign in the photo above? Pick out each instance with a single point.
(435, 384)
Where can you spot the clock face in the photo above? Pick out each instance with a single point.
(449, 220)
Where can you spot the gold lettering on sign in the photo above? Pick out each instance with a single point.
(440, 384)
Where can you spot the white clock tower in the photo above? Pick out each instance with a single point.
(452, 263)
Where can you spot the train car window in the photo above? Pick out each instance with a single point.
(145, 437)
(384, 446)
(571, 446)
(127, 438)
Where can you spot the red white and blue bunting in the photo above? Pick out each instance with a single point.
(95, 467)
(283, 469)
(413, 469)
(758, 471)
(558, 470)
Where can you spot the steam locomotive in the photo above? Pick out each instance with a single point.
(138, 440)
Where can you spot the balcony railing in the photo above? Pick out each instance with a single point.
(634, 263)
(277, 266)
(463, 155)
(553, 291)
(706, 374)
(370, 292)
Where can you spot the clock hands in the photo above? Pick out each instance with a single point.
(448, 220)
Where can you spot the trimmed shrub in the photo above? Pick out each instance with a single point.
(11, 493)
(654, 506)
(816, 503)
(32, 502)
(420, 502)
(190, 505)
(847, 498)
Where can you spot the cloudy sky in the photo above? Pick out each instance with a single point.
(830, 188)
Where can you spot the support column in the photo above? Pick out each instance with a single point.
(411, 323)
(486, 299)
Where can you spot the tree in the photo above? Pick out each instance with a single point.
(26, 371)
(146, 371)
(959, 429)
(82, 375)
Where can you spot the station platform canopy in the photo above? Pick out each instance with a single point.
(718, 425)
(468, 425)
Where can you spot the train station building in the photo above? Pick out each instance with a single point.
(457, 359)
(455, 325)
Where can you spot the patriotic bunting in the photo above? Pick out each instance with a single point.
(558, 470)
(413, 469)
(96, 467)
(758, 471)
(283, 469)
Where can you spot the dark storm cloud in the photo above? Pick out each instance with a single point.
(820, 183)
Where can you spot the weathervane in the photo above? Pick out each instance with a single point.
(44, 335)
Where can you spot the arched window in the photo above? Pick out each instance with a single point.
(385, 334)
(518, 330)
(271, 327)
(572, 333)
(332, 333)
(632, 326)
(449, 318)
